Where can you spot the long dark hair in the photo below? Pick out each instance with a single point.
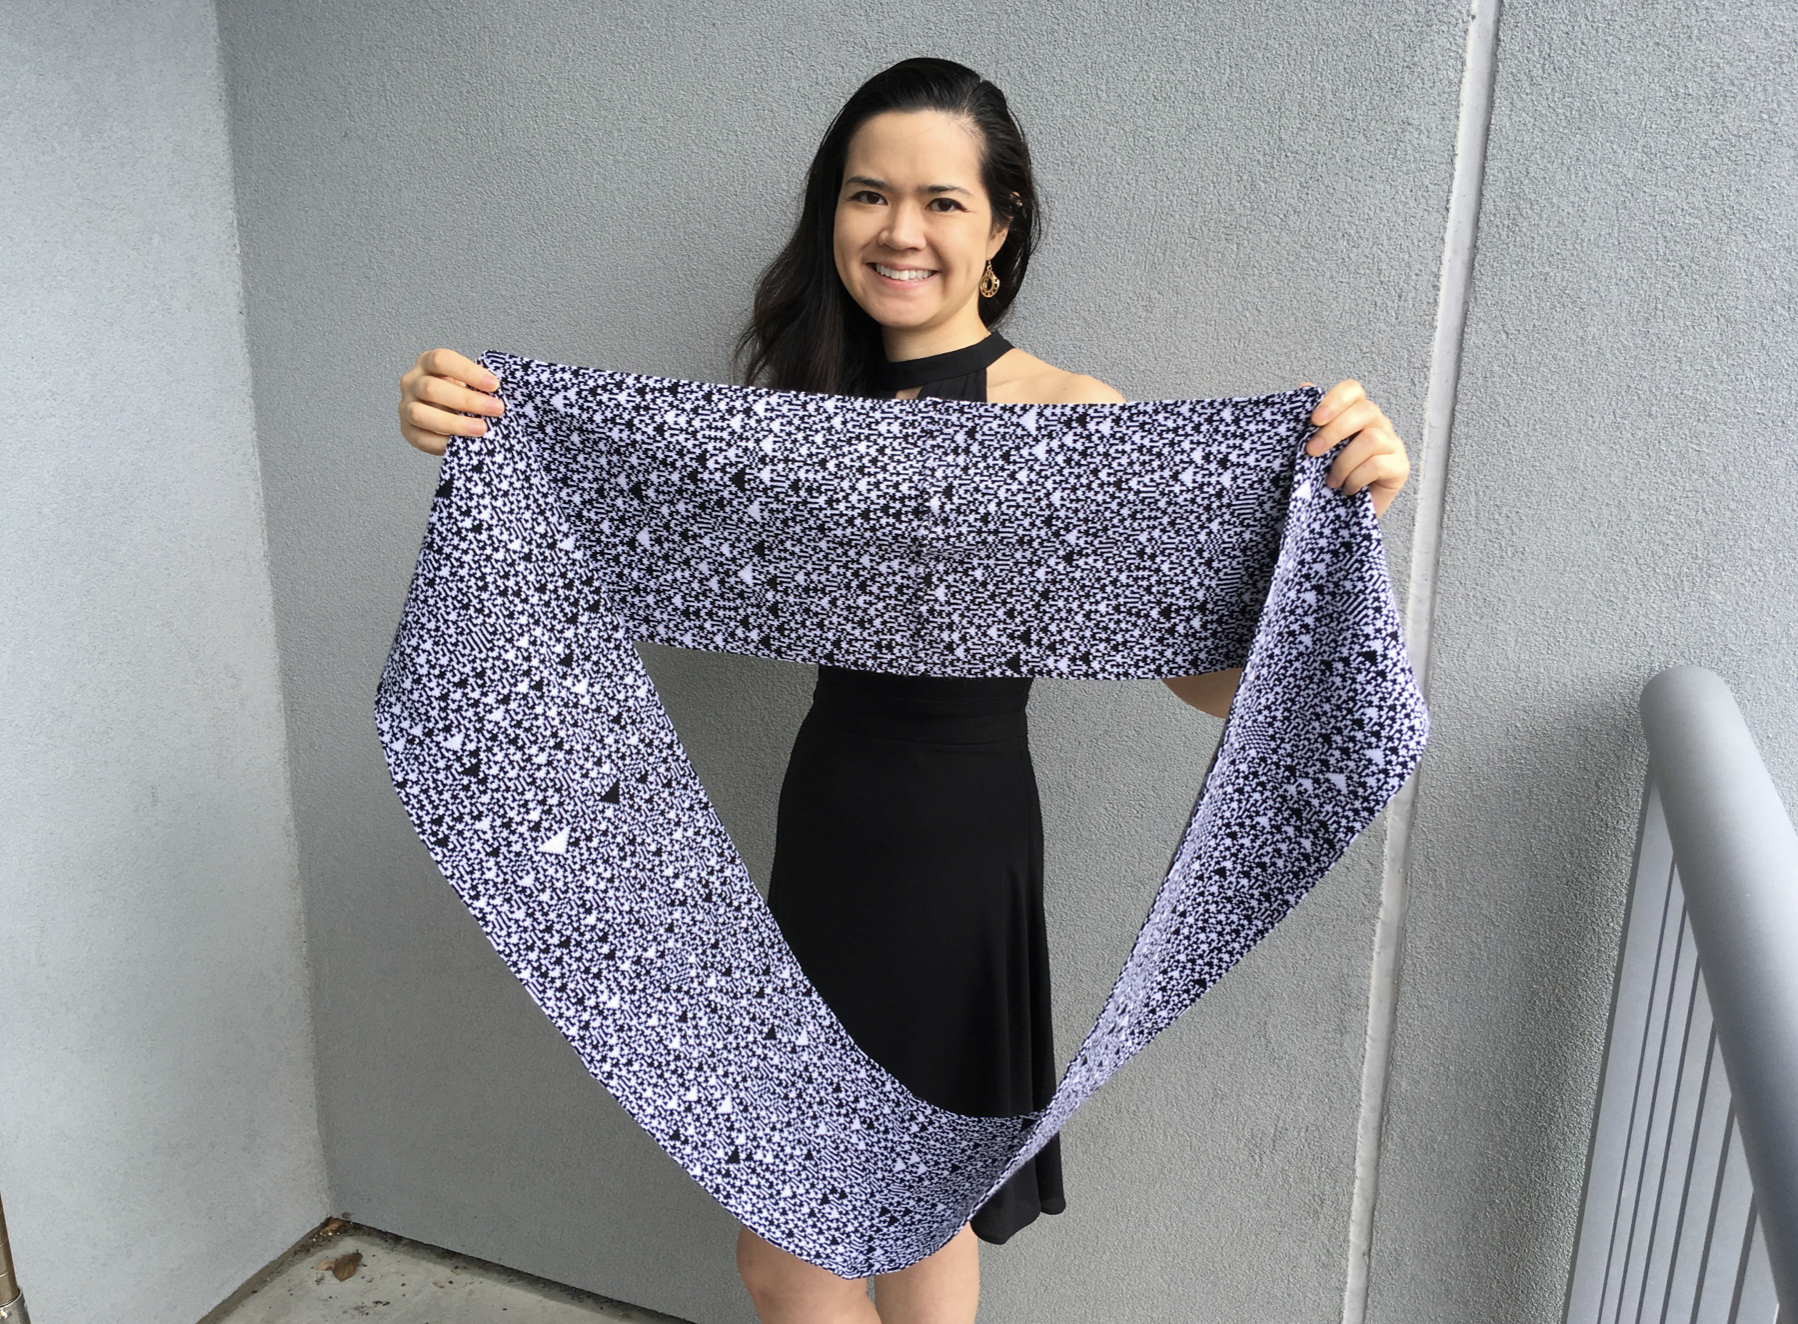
(805, 332)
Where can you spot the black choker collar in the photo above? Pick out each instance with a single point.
(969, 359)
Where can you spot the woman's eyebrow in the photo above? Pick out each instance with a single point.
(871, 182)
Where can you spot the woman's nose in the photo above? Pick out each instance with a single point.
(904, 228)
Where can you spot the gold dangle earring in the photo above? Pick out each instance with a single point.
(989, 283)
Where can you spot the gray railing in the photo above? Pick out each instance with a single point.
(1691, 1202)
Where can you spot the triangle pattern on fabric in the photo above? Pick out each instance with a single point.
(938, 537)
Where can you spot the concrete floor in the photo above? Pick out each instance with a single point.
(408, 1282)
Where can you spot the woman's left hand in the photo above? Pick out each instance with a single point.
(1374, 458)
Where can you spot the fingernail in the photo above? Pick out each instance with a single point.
(492, 382)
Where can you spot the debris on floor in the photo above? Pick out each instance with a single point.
(347, 1272)
(342, 1267)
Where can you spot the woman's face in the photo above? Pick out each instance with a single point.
(914, 228)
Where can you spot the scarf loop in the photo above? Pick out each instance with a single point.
(939, 537)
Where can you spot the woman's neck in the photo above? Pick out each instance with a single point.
(919, 342)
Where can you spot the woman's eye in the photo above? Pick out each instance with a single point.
(950, 203)
(864, 195)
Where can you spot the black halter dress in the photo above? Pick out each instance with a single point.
(908, 874)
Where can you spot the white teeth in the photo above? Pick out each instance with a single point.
(893, 273)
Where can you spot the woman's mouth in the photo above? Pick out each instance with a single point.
(902, 275)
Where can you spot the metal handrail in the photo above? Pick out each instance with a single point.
(12, 1300)
(1737, 856)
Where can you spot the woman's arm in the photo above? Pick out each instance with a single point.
(1209, 693)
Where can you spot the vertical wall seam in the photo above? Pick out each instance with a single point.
(1459, 241)
(229, 109)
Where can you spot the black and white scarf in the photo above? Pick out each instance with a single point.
(923, 537)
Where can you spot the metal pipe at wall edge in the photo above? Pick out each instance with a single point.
(1737, 857)
(12, 1300)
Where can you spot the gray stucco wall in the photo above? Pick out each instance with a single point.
(601, 184)
(159, 1135)
(1239, 197)
(1620, 499)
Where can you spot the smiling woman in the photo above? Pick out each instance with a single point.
(915, 238)
(915, 241)
(907, 875)
(923, 169)
(908, 869)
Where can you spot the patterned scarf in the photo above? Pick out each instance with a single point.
(922, 537)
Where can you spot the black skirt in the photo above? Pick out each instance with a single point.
(908, 880)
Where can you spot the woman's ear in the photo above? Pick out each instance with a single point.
(1002, 225)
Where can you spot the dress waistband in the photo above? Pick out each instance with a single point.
(943, 709)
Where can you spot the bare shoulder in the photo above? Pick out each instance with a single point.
(1084, 390)
(1023, 379)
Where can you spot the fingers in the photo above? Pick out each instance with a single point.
(1356, 417)
(1384, 468)
(448, 394)
(430, 443)
(1379, 446)
(1364, 447)
(437, 395)
(1374, 460)
(1336, 399)
(458, 367)
(1370, 455)
(445, 423)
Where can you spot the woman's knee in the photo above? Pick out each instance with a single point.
(778, 1281)
(760, 1272)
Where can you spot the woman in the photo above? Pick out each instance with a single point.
(908, 862)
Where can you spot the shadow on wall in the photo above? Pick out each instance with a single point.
(736, 717)
(1560, 845)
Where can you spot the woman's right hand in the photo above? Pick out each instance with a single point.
(438, 393)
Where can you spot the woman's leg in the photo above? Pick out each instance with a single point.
(787, 1290)
(943, 1288)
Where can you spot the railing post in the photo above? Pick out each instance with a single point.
(1737, 856)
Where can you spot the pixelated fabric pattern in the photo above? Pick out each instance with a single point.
(940, 537)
